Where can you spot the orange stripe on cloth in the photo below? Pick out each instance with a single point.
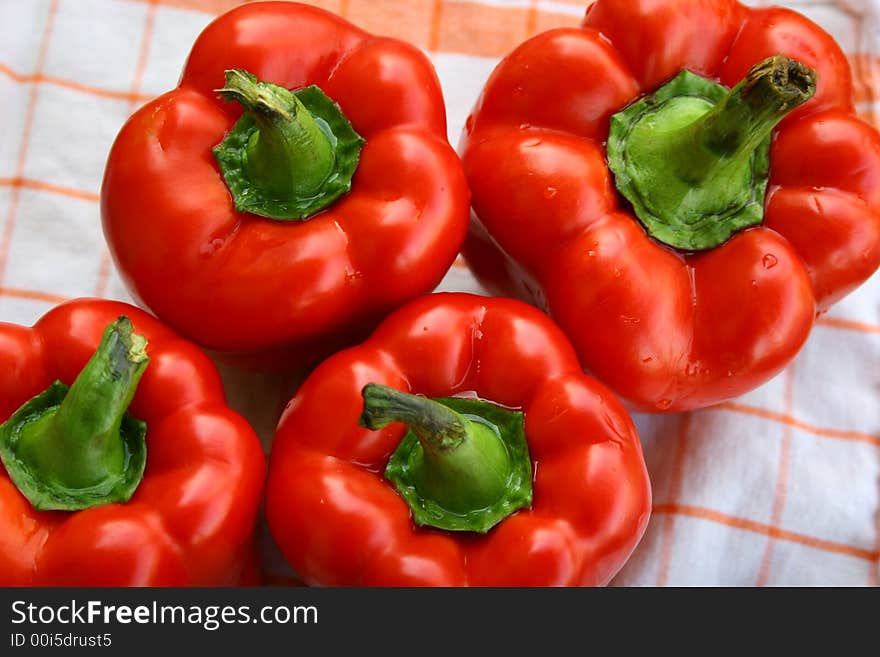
(780, 493)
(866, 76)
(220, 6)
(436, 18)
(473, 28)
(6, 238)
(468, 28)
(104, 266)
(767, 530)
(532, 17)
(874, 573)
(488, 31)
(675, 482)
(37, 78)
(39, 185)
(32, 295)
(848, 325)
(144, 52)
(785, 418)
(411, 20)
(103, 278)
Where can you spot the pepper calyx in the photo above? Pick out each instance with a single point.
(464, 463)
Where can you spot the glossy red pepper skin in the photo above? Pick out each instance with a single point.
(339, 522)
(190, 522)
(235, 282)
(668, 331)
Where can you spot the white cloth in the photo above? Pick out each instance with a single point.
(780, 487)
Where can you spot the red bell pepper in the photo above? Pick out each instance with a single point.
(505, 463)
(296, 225)
(94, 492)
(684, 234)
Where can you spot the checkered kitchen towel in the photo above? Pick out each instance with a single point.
(779, 487)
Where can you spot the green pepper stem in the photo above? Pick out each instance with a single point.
(80, 443)
(438, 428)
(289, 154)
(693, 158)
(74, 448)
(465, 474)
(728, 135)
